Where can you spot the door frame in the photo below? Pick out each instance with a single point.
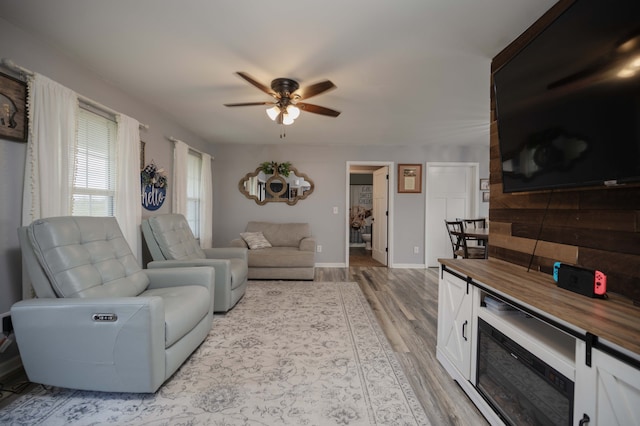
(474, 167)
(390, 200)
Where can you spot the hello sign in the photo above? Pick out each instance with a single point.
(154, 187)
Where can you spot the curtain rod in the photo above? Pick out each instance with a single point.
(172, 139)
(9, 64)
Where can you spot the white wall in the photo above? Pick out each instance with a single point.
(326, 166)
(36, 55)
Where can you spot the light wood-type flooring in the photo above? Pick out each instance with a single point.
(359, 256)
(405, 302)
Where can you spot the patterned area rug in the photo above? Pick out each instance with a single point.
(290, 353)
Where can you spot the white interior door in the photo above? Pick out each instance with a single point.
(380, 218)
(451, 193)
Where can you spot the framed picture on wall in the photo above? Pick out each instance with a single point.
(410, 178)
(485, 197)
(13, 109)
(484, 184)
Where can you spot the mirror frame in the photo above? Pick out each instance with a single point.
(275, 194)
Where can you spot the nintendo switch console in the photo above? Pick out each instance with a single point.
(588, 282)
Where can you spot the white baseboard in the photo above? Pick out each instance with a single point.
(331, 265)
(409, 266)
(395, 265)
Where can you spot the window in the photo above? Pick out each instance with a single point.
(194, 168)
(94, 165)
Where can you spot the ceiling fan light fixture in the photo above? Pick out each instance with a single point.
(293, 111)
(273, 112)
(287, 119)
(284, 90)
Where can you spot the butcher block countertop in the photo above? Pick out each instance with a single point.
(615, 320)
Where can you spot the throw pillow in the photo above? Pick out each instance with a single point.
(255, 240)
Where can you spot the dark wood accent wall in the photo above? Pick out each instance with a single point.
(596, 228)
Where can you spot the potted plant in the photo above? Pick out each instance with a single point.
(270, 167)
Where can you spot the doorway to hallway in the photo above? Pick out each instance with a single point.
(369, 213)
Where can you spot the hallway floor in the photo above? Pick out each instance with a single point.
(358, 256)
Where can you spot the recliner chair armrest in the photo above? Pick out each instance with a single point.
(222, 267)
(227, 253)
(64, 345)
(239, 242)
(307, 244)
(180, 276)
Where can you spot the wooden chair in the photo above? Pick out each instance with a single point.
(455, 229)
(474, 224)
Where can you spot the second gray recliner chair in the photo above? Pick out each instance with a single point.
(172, 244)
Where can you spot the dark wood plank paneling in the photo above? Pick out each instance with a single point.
(614, 241)
(617, 198)
(622, 270)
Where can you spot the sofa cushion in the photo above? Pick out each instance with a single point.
(255, 240)
(184, 308)
(86, 257)
(281, 234)
(278, 257)
(175, 238)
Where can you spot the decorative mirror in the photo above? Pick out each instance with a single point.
(276, 183)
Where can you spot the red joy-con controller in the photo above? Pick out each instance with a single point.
(600, 283)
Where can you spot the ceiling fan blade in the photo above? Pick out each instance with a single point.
(256, 83)
(316, 109)
(249, 104)
(315, 89)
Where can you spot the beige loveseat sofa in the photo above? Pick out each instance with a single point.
(288, 254)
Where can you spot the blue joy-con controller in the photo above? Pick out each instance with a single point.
(556, 268)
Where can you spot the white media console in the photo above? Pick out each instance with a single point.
(582, 355)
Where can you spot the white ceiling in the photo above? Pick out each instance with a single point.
(408, 72)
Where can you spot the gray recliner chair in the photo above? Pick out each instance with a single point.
(171, 244)
(99, 321)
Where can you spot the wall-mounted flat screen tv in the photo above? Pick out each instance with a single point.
(568, 104)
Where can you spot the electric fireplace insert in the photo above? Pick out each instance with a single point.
(521, 388)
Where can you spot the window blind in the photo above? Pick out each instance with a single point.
(194, 167)
(94, 165)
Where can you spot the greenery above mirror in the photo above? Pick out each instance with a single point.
(283, 169)
(275, 182)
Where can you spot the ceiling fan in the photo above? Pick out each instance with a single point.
(287, 96)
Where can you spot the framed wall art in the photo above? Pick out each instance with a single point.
(484, 184)
(13, 109)
(410, 178)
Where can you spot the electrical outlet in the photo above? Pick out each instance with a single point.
(416, 250)
(335, 210)
(319, 248)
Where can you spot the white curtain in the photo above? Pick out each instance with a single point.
(180, 158)
(49, 159)
(128, 206)
(206, 203)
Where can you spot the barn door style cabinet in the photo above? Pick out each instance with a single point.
(528, 352)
